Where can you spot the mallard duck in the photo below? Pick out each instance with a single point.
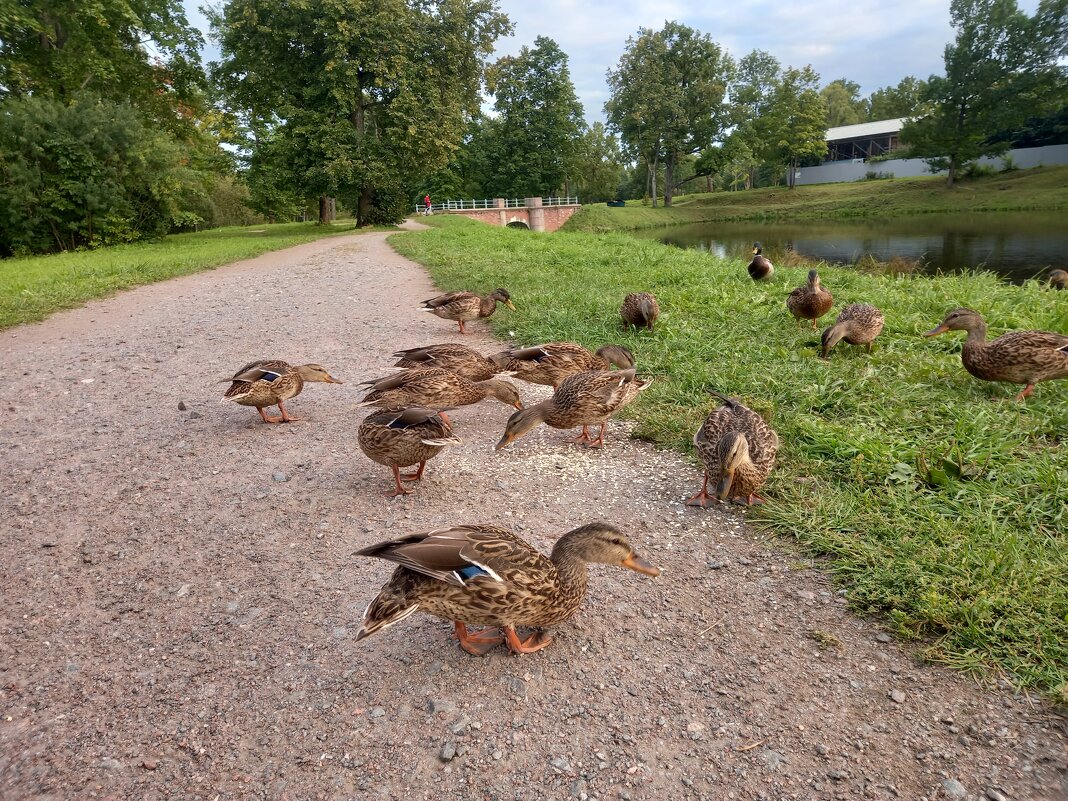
(811, 301)
(738, 451)
(451, 356)
(271, 382)
(1019, 357)
(552, 362)
(487, 576)
(583, 399)
(1058, 279)
(760, 268)
(857, 324)
(464, 306)
(639, 309)
(435, 388)
(403, 437)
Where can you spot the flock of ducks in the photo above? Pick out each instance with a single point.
(483, 575)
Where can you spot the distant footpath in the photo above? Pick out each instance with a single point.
(1040, 189)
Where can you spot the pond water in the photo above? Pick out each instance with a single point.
(1016, 245)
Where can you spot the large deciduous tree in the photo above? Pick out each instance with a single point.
(539, 121)
(668, 95)
(892, 102)
(1001, 69)
(598, 165)
(368, 98)
(845, 106)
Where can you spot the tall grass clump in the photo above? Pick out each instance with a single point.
(938, 502)
(31, 288)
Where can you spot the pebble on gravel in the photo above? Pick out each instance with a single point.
(149, 764)
(953, 789)
(181, 406)
(994, 794)
(280, 476)
(898, 696)
(448, 752)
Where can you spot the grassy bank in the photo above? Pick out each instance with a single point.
(936, 501)
(32, 288)
(1043, 188)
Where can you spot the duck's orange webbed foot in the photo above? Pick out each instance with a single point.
(267, 418)
(417, 475)
(400, 490)
(477, 643)
(535, 642)
(286, 416)
(702, 498)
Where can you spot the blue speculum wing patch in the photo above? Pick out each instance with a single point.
(270, 376)
(470, 572)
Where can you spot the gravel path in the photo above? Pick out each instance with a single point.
(179, 596)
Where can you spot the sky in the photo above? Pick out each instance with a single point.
(875, 45)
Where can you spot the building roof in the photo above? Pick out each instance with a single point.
(877, 128)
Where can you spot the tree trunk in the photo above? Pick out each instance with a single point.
(790, 169)
(324, 210)
(363, 206)
(652, 178)
(952, 177)
(708, 183)
(669, 179)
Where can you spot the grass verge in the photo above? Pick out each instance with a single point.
(32, 288)
(1043, 188)
(937, 501)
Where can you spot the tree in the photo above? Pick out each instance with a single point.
(539, 120)
(672, 84)
(598, 165)
(757, 76)
(892, 102)
(1001, 68)
(844, 104)
(367, 98)
(794, 128)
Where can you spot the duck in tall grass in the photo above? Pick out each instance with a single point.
(811, 301)
(737, 449)
(639, 309)
(466, 306)
(1018, 357)
(451, 356)
(435, 388)
(400, 438)
(760, 268)
(1058, 279)
(584, 399)
(857, 324)
(271, 382)
(551, 363)
(484, 575)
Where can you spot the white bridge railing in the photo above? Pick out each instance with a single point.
(492, 203)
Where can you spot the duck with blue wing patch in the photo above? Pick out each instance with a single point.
(271, 382)
(400, 438)
(484, 575)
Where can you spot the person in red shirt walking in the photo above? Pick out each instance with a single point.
(426, 206)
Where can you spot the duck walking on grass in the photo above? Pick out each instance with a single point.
(466, 306)
(271, 382)
(1058, 279)
(760, 269)
(857, 324)
(737, 449)
(1019, 357)
(451, 356)
(484, 575)
(811, 301)
(435, 388)
(400, 438)
(584, 399)
(639, 309)
(552, 362)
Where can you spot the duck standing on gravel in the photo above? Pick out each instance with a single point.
(737, 449)
(487, 576)
(465, 306)
(639, 309)
(857, 324)
(551, 363)
(435, 388)
(811, 301)
(584, 399)
(760, 268)
(400, 438)
(1019, 357)
(451, 356)
(271, 382)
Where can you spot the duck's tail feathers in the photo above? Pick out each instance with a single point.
(385, 610)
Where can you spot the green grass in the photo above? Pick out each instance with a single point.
(34, 287)
(936, 501)
(1044, 188)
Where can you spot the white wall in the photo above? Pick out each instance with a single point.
(841, 171)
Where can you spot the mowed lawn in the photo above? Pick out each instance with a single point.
(32, 288)
(937, 501)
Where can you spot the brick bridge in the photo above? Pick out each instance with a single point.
(535, 213)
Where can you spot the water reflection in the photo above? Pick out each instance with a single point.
(1016, 245)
